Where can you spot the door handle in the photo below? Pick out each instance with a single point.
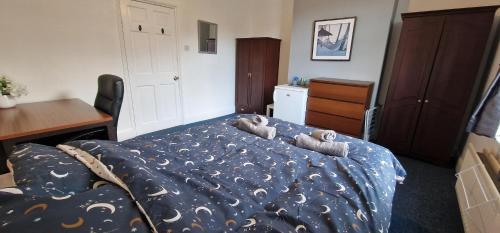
(176, 78)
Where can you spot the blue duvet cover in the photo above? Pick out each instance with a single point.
(216, 178)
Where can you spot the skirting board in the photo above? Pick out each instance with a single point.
(208, 115)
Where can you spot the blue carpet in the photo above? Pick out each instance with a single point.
(425, 203)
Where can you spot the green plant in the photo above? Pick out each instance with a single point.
(8, 87)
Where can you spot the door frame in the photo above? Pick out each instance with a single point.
(121, 6)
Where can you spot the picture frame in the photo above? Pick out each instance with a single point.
(332, 39)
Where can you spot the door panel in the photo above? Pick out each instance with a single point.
(416, 51)
(243, 76)
(450, 85)
(257, 56)
(141, 53)
(146, 102)
(150, 43)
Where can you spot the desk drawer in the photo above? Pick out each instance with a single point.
(335, 107)
(356, 94)
(340, 124)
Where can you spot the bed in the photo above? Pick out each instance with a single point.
(208, 178)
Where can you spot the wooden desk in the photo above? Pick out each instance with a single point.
(31, 121)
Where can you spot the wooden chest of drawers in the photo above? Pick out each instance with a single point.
(338, 104)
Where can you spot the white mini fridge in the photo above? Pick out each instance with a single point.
(290, 103)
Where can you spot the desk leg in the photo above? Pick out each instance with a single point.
(5, 150)
(111, 131)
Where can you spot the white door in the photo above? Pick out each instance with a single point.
(150, 44)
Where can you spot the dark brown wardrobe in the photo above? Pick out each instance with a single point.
(436, 67)
(257, 61)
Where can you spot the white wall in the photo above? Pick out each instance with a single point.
(369, 42)
(59, 47)
(208, 80)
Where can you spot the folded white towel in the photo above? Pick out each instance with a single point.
(324, 135)
(340, 149)
(260, 120)
(247, 125)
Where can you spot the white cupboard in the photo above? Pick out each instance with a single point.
(290, 103)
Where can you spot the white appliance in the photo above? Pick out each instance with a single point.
(290, 103)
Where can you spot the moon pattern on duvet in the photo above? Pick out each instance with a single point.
(361, 216)
(300, 227)
(237, 202)
(54, 174)
(42, 156)
(61, 198)
(163, 191)
(79, 222)
(302, 199)
(279, 211)
(164, 163)
(314, 175)
(210, 159)
(204, 209)
(327, 209)
(259, 190)
(175, 218)
(238, 178)
(251, 222)
(108, 206)
(341, 188)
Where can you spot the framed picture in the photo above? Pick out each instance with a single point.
(332, 39)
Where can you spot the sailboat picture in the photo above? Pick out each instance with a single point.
(332, 39)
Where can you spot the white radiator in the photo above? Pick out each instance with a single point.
(478, 197)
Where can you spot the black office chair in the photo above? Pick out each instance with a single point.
(110, 96)
(109, 100)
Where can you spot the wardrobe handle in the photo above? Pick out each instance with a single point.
(419, 100)
(140, 28)
(249, 75)
(162, 31)
(426, 101)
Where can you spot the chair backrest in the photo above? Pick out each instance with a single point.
(110, 95)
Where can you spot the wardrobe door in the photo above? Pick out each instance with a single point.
(449, 91)
(257, 75)
(416, 51)
(243, 48)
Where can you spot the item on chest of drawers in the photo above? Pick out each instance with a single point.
(338, 104)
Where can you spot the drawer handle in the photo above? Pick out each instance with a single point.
(287, 94)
